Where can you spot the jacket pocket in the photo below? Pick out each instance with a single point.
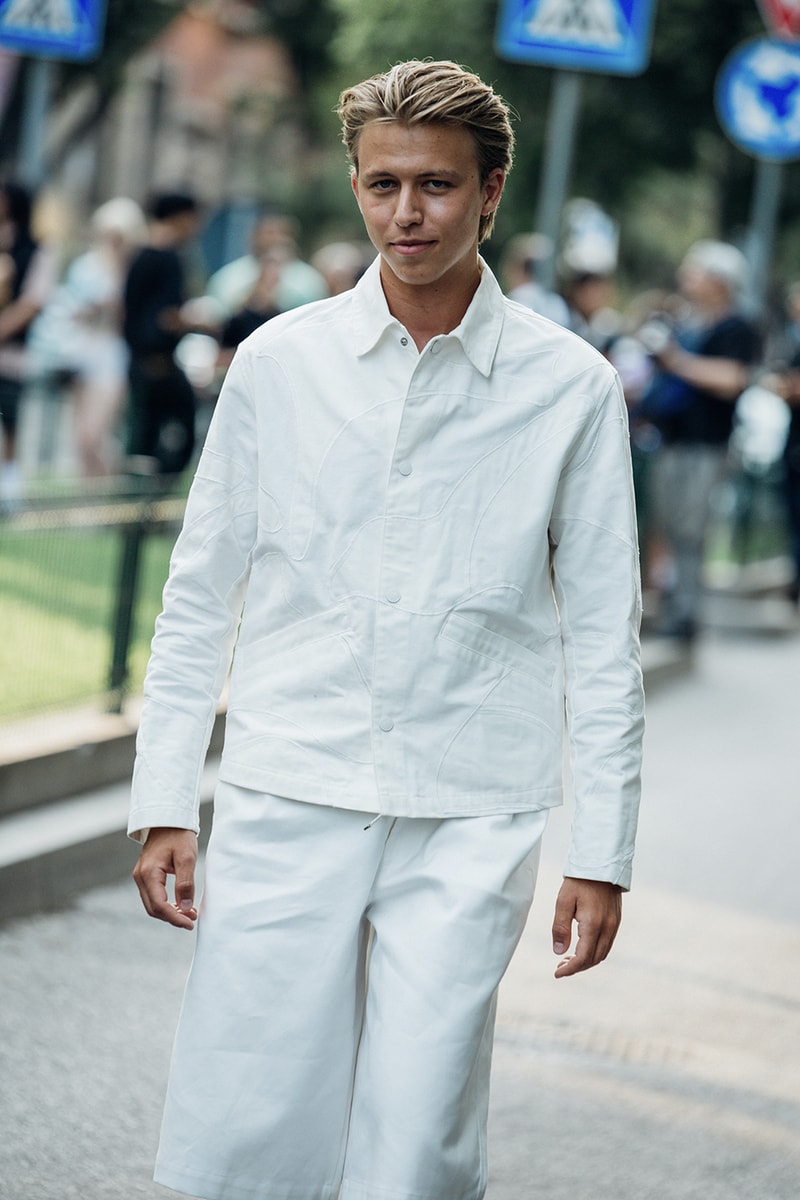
(305, 632)
(300, 691)
(478, 640)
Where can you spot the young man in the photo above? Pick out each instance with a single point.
(414, 511)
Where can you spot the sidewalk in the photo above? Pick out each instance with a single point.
(669, 1073)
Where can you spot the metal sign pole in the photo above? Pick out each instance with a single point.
(607, 36)
(46, 30)
(757, 94)
(562, 123)
(763, 222)
(38, 82)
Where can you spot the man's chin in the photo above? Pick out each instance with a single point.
(417, 270)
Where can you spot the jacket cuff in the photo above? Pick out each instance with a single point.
(142, 820)
(617, 873)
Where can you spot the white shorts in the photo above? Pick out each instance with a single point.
(336, 1032)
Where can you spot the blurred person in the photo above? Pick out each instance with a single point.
(784, 380)
(636, 370)
(793, 313)
(704, 359)
(274, 234)
(261, 305)
(518, 267)
(27, 276)
(341, 265)
(161, 410)
(77, 341)
(593, 313)
(395, 521)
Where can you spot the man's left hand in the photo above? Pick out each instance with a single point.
(596, 909)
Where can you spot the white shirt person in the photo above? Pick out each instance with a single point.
(413, 518)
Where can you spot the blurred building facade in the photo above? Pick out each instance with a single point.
(209, 105)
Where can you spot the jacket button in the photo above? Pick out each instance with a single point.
(393, 596)
(404, 468)
(386, 725)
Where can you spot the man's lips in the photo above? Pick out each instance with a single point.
(411, 248)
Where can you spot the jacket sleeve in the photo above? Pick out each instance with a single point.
(596, 579)
(195, 633)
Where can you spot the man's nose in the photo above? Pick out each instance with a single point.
(408, 210)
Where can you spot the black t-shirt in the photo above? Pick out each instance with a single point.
(21, 253)
(707, 420)
(154, 283)
(243, 323)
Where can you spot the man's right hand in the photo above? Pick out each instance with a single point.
(168, 852)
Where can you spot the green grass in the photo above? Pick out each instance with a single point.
(57, 597)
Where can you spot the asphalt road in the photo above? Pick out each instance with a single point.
(670, 1073)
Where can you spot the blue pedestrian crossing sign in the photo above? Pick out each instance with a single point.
(758, 98)
(65, 29)
(610, 36)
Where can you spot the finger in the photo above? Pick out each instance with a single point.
(594, 945)
(151, 881)
(604, 943)
(173, 914)
(562, 926)
(184, 882)
(581, 960)
(144, 894)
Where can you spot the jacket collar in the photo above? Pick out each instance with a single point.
(478, 333)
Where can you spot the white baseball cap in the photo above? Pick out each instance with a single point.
(721, 260)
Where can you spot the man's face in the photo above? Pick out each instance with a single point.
(420, 194)
(185, 225)
(700, 287)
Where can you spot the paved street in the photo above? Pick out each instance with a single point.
(670, 1073)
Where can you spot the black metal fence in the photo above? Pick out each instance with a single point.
(80, 586)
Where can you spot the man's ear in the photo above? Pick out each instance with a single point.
(493, 190)
(354, 186)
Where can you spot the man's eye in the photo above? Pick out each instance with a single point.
(438, 185)
(383, 185)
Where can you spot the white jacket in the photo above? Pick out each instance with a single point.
(424, 555)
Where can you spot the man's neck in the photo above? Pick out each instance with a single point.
(428, 310)
(712, 314)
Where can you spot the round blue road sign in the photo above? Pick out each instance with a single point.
(758, 98)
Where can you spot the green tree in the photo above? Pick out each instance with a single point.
(307, 28)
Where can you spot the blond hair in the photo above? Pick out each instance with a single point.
(428, 93)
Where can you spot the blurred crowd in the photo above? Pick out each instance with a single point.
(118, 332)
(710, 390)
(119, 335)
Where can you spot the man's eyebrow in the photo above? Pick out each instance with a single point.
(445, 173)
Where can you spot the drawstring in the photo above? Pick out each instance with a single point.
(372, 822)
